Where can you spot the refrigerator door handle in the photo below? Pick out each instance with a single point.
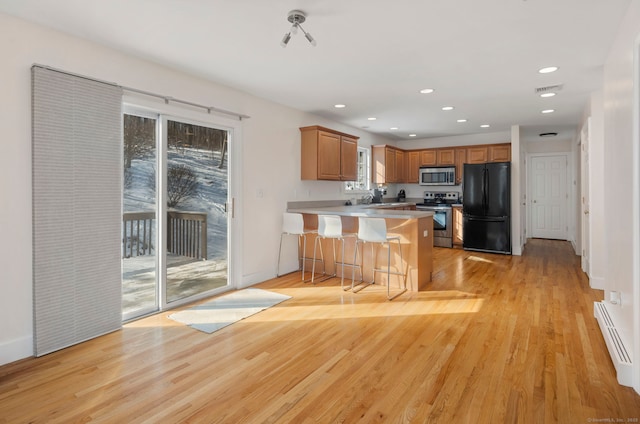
(484, 190)
(486, 218)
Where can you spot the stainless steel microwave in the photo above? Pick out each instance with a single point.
(437, 175)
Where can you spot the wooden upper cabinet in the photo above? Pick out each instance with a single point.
(412, 170)
(328, 155)
(388, 164)
(477, 154)
(348, 158)
(461, 159)
(400, 169)
(428, 157)
(446, 157)
(390, 159)
(500, 152)
(393, 165)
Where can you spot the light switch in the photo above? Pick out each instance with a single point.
(426, 233)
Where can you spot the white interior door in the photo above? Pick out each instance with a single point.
(549, 198)
(584, 188)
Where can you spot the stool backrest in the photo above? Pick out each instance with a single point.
(292, 223)
(329, 226)
(372, 229)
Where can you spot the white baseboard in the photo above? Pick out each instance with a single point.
(597, 283)
(14, 350)
(251, 279)
(619, 348)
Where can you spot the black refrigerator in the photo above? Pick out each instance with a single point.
(486, 207)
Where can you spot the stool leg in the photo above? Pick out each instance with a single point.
(361, 266)
(313, 267)
(279, 254)
(304, 251)
(401, 273)
(342, 273)
(353, 270)
(317, 242)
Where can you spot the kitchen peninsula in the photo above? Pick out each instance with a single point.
(415, 229)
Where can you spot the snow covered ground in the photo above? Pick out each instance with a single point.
(210, 197)
(191, 276)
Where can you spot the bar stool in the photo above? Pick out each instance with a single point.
(374, 231)
(293, 224)
(330, 227)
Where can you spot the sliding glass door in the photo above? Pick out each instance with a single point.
(197, 191)
(139, 225)
(175, 227)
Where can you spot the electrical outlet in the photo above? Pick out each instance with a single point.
(426, 233)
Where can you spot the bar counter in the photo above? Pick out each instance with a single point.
(415, 229)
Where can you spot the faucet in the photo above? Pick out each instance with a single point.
(367, 198)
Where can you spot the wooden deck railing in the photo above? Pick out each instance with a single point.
(186, 234)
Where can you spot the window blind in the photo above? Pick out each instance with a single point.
(77, 213)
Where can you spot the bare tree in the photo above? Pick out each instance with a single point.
(181, 184)
(139, 138)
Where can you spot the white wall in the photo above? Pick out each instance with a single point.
(620, 177)
(518, 191)
(597, 194)
(270, 161)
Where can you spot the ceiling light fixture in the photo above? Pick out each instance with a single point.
(393, 128)
(548, 70)
(547, 94)
(447, 108)
(461, 120)
(548, 111)
(296, 17)
(427, 90)
(413, 135)
(339, 106)
(485, 126)
(371, 119)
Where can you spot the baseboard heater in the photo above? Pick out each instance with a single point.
(619, 351)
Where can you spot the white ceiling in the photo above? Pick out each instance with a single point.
(480, 56)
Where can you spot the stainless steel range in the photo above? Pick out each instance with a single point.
(440, 204)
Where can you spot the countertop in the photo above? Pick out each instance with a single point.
(374, 210)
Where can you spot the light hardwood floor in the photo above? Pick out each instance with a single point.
(496, 339)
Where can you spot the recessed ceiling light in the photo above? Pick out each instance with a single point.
(339, 106)
(548, 134)
(462, 120)
(547, 94)
(548, 111)
(427, 90)
(447, 108)
(371, 119)
(485, 126)
(412, 135)
(548, 70)
(393, 128)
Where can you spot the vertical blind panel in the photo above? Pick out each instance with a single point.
(77, 195)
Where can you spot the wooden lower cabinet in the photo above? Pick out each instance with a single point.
(457, 226)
